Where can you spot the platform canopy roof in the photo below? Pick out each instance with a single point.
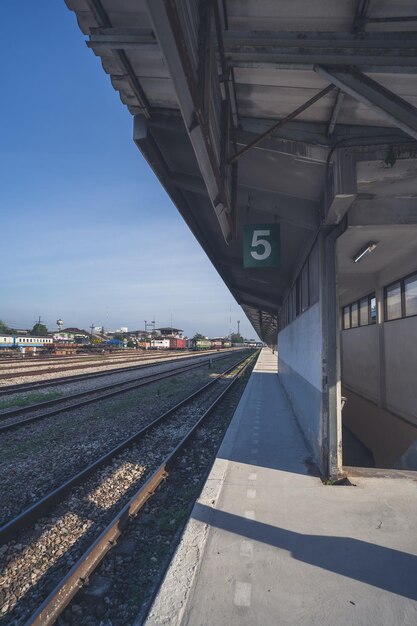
(205, 79)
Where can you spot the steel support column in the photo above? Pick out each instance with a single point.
(331, 460)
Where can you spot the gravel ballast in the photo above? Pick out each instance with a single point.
(41, 456)
(38, 558)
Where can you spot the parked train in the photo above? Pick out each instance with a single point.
(17, 342)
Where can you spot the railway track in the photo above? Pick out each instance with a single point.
(46, 369)
(93, 395)
(62, 380)
(181, 421)
(88, 361)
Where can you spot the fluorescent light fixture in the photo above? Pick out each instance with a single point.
(364, 251)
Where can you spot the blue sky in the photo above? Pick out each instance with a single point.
(79, 204)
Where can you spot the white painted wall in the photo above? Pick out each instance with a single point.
(360, 365)
(300, 345)
(401, 366)
(300, 370)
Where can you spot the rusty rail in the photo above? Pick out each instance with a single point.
(22, 387)
(115, 387)
(42, 506)
(78, 575)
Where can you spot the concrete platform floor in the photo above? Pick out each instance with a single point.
(269, 544)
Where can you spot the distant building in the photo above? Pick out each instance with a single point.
(170, 331)
(79, 335)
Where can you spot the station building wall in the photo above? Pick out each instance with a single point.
(360, 360)
(379, 377)
(300, 346)
(300, 370)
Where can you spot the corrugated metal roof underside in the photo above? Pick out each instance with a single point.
(273, 48)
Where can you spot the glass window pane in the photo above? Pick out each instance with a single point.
(346, 317)
(393, 301)
(363, 312)
(304, 288)
(373, 310)
(298, 296)
(410, 285)
(354, 314)
(313, 270)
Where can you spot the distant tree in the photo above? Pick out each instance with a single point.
(39, 330)
(130, 343)
(4, 329)
(236, 338)
(119, 337)
(198, 336)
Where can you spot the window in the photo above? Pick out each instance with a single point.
(393, 301)
(364, 312)
(304, 288)
(373, 309)
(346, 317)
(313, 275)
(359, 313)
(354, 315)
(298, 296)
(410, 295)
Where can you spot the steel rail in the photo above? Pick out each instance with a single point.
(109, 392)
(64, 368)
(32, 513)
(88, 360)
(21, 387)
(78, 575)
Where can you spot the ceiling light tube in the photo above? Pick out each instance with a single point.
(364, 251)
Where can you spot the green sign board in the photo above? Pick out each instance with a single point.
(261, 245)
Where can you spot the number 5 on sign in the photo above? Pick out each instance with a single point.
(261, 245)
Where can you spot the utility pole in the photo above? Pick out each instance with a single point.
(238, 327)
(92, 330)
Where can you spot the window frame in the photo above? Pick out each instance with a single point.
(401, 282)
(357, 302)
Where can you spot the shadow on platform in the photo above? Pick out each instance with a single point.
(385, 568)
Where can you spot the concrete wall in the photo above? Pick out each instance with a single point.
(390, 439)
(360, 365)
(401, 366)
(300, 369)
(379, 377)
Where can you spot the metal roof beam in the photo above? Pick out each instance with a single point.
(288, 48)
(168, 29)
(341, 187)
(374, 95)
(268, 133)
(335, 112)
(313, 135)
(359, 20)
(300, 150)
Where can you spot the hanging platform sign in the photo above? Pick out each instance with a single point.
(261, 245)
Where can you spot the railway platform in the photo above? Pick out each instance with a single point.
(268, 543)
